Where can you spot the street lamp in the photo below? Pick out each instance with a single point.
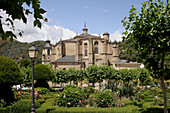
(33, 52)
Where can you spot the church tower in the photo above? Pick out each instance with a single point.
(46, 52)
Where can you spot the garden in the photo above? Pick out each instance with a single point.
(133, 90)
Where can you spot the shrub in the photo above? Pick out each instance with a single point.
(40, 93)
(23, 106)
(42, 74)
(9, 75)
(88, 90)
(70, 97)
(106, 99)
(9, 72)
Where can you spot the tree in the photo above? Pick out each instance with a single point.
(25, 63)
(61, 76)
(25, 71)
(92, 75)
(42, 74)
(16, 11)
(149, 31)
(10, 74)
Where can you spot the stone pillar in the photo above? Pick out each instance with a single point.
(77, 50)
(115, 52)
(90, 50)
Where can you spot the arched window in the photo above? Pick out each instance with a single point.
(48, 51)
(95, 47)
(85, 49)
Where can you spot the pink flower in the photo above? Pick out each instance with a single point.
(35, 93)
(108, 105)
(64, 96)
(115, 93)
(54, 99)
(69, 103)
(93, 98)
(138, 91)
(117, 96)
(95, 102)
(40, 95)
(123, 104)
(81, 100)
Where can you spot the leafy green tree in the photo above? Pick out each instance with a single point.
(61, 76)
(92, 75)
(10, 74)
(149, 31)
(25, 63)
(72, 73)
(25, 71)
(16, 11)
(81, 76)
(42, 74)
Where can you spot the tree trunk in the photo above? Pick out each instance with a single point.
(164, 94)
(163, 84)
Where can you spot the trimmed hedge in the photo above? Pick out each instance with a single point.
(149, 108)
(46, 106)
(24, 106)
(128, 109)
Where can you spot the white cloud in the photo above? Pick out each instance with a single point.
(54, 33)
(116, 36)
(31, 33)
(87, 7)
(103, 10)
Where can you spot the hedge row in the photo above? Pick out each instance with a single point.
(46, 107)
(127, 109)
(22, 106)
(149, 108)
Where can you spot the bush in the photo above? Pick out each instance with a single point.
(106, 99)
(40, 93)
(88, 90)
(9, 75)
(42, 74)
(24, 106)
(70, 97)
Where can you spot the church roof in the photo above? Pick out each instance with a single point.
(125, 62)
(86, 36)
(67, 59)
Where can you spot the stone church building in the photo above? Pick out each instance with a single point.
(84, 50)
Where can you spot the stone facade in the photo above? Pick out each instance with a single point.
(81, 51)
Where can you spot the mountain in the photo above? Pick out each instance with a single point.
(18, 50)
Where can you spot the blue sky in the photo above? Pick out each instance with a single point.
(99, 15)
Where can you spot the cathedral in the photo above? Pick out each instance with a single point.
(84, 50)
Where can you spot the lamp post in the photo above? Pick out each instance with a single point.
(33, 52)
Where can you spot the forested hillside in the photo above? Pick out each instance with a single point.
(18, 50)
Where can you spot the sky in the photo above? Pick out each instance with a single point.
(66, 18)
(100, 15)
